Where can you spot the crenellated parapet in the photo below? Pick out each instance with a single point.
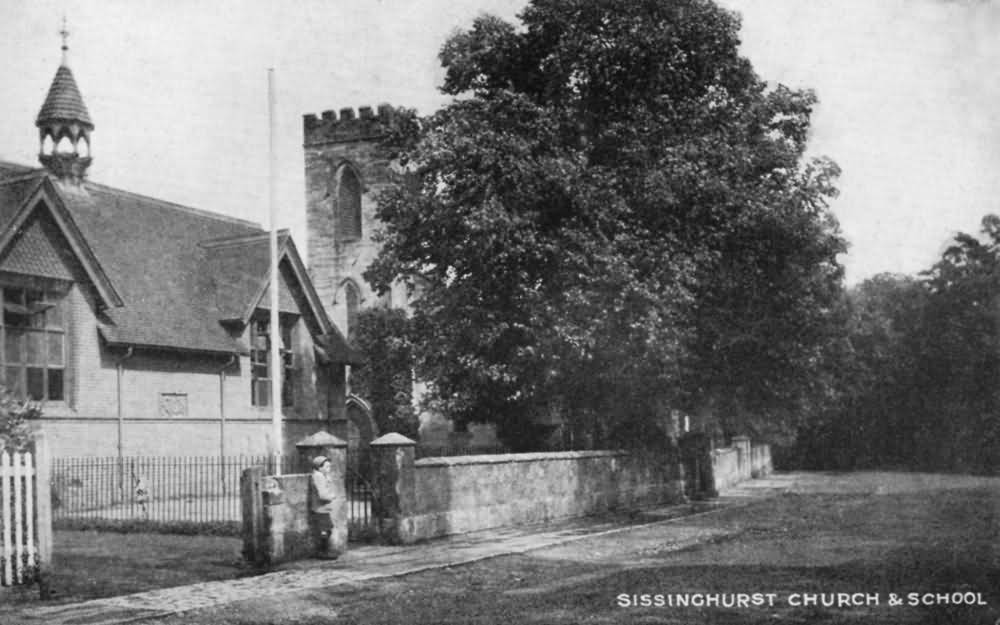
(365, 124)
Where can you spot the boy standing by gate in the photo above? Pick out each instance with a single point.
(321, 496)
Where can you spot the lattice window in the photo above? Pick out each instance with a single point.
(260, 346)
(34, 343)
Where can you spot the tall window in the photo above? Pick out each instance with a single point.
(34, 343)
(352, 301)
(348, 205)
(260, 364)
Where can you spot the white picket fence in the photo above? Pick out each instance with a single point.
(19, 556)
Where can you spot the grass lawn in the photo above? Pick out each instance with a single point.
(90, 564)
(929, 541)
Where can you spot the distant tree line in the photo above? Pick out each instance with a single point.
(917, 371)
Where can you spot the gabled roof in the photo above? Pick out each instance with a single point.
(170, 275)
(236, 275)
(35, 192)
(64, 102)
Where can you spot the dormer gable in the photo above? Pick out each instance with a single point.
(42, 239)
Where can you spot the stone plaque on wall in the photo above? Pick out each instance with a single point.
(173, 405)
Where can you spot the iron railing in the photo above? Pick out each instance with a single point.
(157, 489)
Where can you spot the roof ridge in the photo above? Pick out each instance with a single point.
(240, 239)
(201, 212)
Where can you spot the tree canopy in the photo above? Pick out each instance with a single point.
(615, 216)
(915, 380)
(385, 376)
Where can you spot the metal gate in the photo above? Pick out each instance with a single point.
(362, 524)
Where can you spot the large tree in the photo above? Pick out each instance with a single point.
(615, 216)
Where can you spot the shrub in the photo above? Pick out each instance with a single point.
(385, 379)
(15, 414)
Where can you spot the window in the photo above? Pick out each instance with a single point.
(352, 301)
(260, 346)
(348, 205)
(34, 343)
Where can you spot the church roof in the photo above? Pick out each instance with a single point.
(179, 274)
(64, 101)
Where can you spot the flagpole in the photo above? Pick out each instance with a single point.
(274, 333)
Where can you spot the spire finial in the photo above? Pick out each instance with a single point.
(65, 39)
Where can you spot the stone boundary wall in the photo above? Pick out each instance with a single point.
(286, 516)
(726, 467)
(277, 524)
(468, 493)
(739, 462)
(760, 461)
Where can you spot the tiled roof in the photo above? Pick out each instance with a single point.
(236, 272)
(40, 250)
(64, 101)
(180, 272)
(14, 190)
(13, 170)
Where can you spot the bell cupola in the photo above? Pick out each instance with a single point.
(64, 125)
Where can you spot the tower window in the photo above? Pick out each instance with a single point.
(352, 301)
(348, 205)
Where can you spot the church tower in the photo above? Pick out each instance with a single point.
(345, 169)
(64, 125)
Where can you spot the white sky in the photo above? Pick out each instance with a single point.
(178, 93)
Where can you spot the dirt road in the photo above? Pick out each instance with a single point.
(847, 548)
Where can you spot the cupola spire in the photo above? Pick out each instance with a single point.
(64, 124)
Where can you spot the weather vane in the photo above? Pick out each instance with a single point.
(65, 34)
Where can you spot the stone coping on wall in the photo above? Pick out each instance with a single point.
(450, 461)
(725, 450)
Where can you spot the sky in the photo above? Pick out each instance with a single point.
(177, 89)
